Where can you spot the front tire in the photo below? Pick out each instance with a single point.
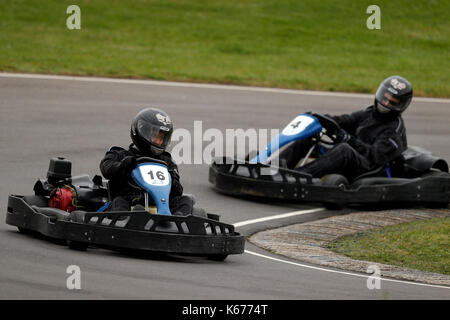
(24, 230)
(335, 180)
(76, 245)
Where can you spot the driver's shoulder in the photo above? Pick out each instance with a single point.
(115, 148)
(118, 151)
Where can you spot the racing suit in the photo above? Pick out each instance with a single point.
(374, 139)
(124, 195)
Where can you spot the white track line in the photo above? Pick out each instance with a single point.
(301, 212)
(342, 272)
(202, 85)
(242, 88)
(278, 216)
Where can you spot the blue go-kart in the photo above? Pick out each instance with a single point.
(415, 178)
(152, 227)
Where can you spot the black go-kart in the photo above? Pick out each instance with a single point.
(84, 221)
(415, 178)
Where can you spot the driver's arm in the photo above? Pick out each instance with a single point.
(113, 164)
(387, 146)
(177, 188)
(349, 122)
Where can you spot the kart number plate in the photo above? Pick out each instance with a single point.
(297, 125)
(155, 175)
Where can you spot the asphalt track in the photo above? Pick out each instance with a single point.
(41, 118)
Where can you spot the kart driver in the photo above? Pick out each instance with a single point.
(151, 131)
(368, 138)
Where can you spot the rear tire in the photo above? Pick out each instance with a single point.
(78, 246)
(77, 216)
(199, 212)
(436, 205)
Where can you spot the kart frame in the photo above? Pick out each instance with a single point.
(192, 235)
(241, 178)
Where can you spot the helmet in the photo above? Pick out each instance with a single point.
(393, 95)
(151, 130)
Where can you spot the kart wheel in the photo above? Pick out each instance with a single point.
(217, 257)
(199, 212)
(77, 216)
(335, 180)
(437, 205)
(24, 231)
(78, 246)
(333, 206)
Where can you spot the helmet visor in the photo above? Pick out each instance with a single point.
(157, 136)
(388, 100)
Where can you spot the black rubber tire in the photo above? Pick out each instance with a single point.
(217, 257)
(336, 180)
(77, 216)
(199, 212)
(78, 246)
(437, 205)
(24, 230)
(333, 206)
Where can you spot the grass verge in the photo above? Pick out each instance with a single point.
(310, 44)
(422, 245)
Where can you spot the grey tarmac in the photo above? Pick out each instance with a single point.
(43, 118)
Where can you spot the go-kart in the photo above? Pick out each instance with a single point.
(415, 178)
(152, 227)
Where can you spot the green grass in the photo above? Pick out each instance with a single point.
(422, 245)
(308, 44)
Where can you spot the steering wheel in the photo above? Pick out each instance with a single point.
(332, 128)
(149, 159)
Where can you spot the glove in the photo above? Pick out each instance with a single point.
(343, 136)
(128, 164)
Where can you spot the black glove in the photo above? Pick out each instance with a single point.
(343, 136)
(128, 164)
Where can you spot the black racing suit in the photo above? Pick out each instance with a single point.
(124, 195)
(376, 139)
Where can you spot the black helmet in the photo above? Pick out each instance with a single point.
(393, 94)
(151, 130)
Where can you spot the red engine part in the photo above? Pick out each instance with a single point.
(62, 198)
